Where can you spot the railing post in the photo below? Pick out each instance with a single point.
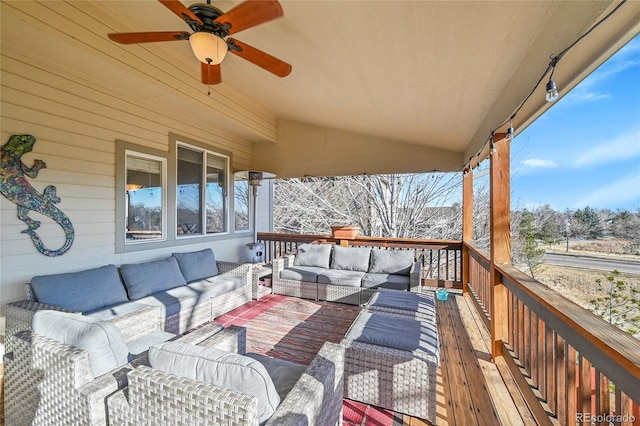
(467, 224)
(500, 239)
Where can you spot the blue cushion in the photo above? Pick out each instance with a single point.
(81, 291)
(339, 277)
(218, 285)
(176, 300)
(101, 339)
(143, 279)
(397, 262)
(313, 255)
(218, 368)
(395, 332)
(197, 265)
(351, 258)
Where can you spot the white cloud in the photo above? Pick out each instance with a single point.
(619, 192)
(623, 147)
(539, 163)
(588, 89)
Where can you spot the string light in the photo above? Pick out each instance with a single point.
(552, 87)
(510, 132)
(551, 95)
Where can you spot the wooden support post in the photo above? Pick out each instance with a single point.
(467, 224)
(500, 217)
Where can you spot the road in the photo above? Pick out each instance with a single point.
(588, 262)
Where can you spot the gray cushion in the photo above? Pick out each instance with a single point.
(395, 332)
(284, 374)
(143, 279)
(313, 255)
(340, 277)
(197, 265)
(110, 312)
(397, 262)
(398, 282)
(81, 291)
(423, 303)
(101, 339)
(218, 285)
(302, 273)
(175, 300)
(145, 342)
(351, 258)
(218, 368)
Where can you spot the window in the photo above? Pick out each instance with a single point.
(145, 213)
(241, 203)
(201, 193)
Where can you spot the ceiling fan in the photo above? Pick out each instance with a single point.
(211, 28)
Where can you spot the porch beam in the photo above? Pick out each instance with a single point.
(467, 224)
(500, 238)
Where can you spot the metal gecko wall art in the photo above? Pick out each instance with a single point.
(15, 186)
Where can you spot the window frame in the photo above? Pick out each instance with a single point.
(163, 182)
(205, 152)
(170, 196)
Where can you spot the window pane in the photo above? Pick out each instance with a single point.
(216, 194)
(144, 206)
(241, 205)
(189, 211)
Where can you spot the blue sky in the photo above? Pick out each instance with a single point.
(585, 150)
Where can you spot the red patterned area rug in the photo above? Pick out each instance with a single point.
(295, 329)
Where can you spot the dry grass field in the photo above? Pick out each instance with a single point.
(579, 284)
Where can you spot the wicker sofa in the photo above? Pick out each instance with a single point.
(189, 289)
(344, 274)
(315, 398)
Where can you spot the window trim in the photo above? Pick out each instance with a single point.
(163, 160)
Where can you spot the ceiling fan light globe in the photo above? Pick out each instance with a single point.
(208, 48)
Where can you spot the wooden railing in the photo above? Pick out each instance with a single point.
(572, 367)
(441, 260)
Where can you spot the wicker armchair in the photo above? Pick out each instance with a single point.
(154, 398)
(51, 383)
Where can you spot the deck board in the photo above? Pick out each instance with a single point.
(471, 389)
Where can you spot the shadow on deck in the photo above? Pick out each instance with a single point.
(471, 389)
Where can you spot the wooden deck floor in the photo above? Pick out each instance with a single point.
(471, 389)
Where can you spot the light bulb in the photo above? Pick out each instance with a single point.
(552, 91)
(510, 133)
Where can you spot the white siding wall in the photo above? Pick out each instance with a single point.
(76, 92)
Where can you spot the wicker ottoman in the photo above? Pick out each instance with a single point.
(421, 306)
(391, 361)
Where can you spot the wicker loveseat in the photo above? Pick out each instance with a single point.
(155, 396)
(62, 373)
(344, 274)
(189, 289)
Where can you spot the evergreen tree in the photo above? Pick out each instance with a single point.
(530, 252)
(618, 303)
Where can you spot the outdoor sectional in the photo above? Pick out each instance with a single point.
(344, 274)
(189, 289)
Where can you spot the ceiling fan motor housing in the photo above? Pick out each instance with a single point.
(207, 15)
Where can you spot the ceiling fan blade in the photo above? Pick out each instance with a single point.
(132, 38)
(259, 58)
(249, 14)
(210, 73)
(179, 9)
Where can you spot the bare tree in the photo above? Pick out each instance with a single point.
(397, 205)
